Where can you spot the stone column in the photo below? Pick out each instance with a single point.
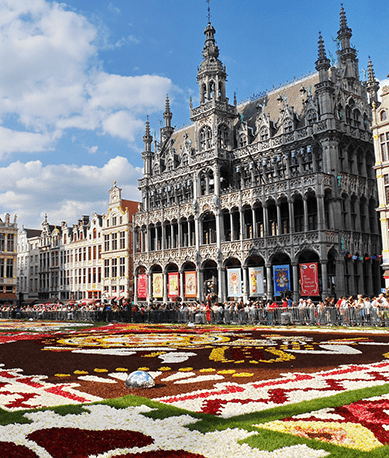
(305, 204)
(320, 212)
(255, 229)
(291, 215)
(223, 285)
(149, 286)
(269, 282)
(245, 284)
(279, 228)
(265, 220)
(241, 221)
(324, 278)
(182, 292)
(200, 284)
(165, 280)
(296, 282)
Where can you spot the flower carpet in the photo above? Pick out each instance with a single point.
(220, 391)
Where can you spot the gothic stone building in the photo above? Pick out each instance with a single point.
(272, 195)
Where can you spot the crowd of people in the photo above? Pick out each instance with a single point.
(346, 311)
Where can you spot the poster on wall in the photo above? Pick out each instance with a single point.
(281, 276)
(158, 285)
(173, 288)
(190, 284)
(234, 281)
(256, 283)
(142, 286)
(309, 279)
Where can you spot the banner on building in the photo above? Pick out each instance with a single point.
(256, 283)
(173, 282)
(281, 277)
(158, 285)
(190, 284)
(234, 282)
(309, 279)
(142, 286)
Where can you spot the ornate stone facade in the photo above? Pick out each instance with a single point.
(284, 180)
(381, 146)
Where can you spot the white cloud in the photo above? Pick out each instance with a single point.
(64, 192)
(92, 149)
(51, 79)
(13, 141)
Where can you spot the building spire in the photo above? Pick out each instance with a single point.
(347, 54)
(372, 84)
(322, 63)
(167, 116)
(344, 33)
(147, 154)
(209, 12)
(147, 137)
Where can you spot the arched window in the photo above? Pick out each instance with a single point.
(204, 92)
(288, 126)
(348, 114)
(242, 140)
(383, 115)
(170, 163)
(222, 136)
(264, 133)
(356, 115)
(211, 90)
(205, 138)
(311, 117)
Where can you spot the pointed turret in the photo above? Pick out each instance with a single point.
(211, 75)
(344, 33)
(322, 63)
(147, 154)
(167, 130)
(372, 84)
(347, 54)
(324, 90)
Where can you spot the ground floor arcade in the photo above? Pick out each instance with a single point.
(306, 275)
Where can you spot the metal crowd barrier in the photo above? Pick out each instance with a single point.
(327, 316)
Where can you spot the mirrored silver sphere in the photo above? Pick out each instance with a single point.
(140, 379)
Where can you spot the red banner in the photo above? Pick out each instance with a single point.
(173, 284)
(309, 279)
(142, 286)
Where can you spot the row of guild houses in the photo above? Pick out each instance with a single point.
(8, 255)
(91, 260)
(276, 195)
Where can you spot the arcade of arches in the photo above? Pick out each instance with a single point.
(286, 217)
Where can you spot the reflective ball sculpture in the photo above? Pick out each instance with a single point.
(139, 379)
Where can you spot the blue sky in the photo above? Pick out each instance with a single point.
(79, 78)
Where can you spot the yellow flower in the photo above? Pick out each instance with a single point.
(100, 370)
(165, 368)
(185, 369)
(210, 369)
(62, 375)
(226, 372)
(142, 369)
(243, 374)
(80, 372)
(121, 369)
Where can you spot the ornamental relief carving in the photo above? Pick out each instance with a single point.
(208, 253)
(331, 237)
(230, 200)
(188, 253)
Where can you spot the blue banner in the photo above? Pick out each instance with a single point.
(281, 277)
